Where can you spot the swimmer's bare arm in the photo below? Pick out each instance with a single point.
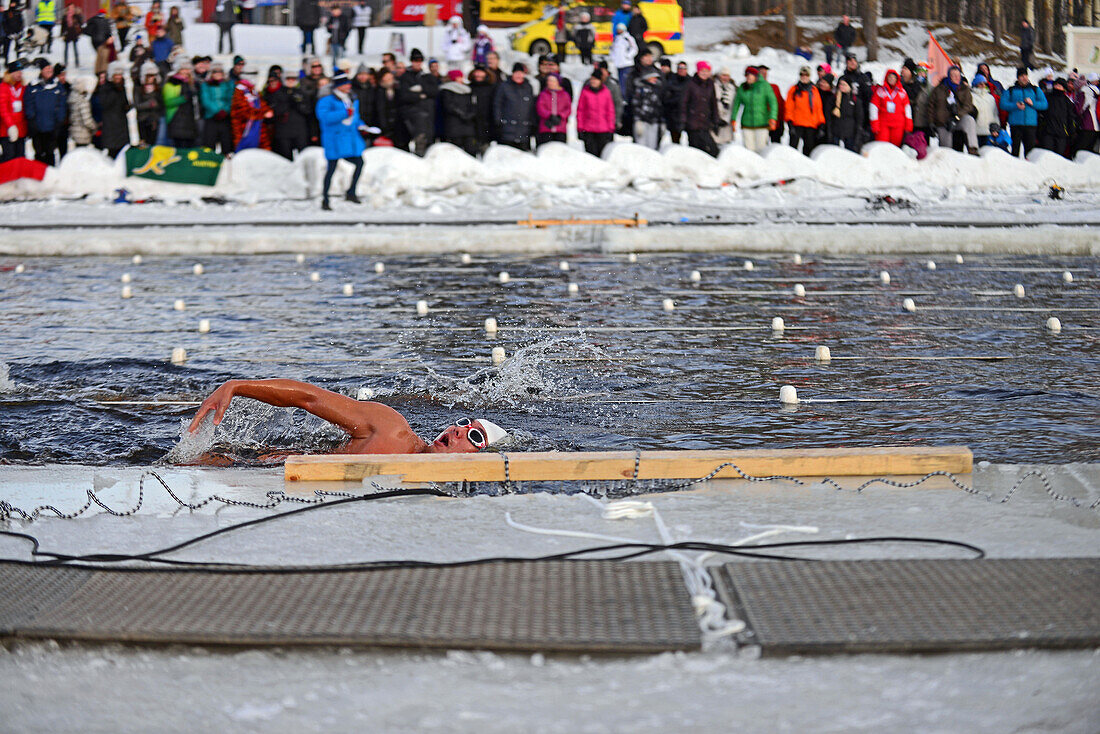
(360, 419)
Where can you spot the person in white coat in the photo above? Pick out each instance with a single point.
(456, 43)
(985, 108)
(361, 16)
(623, 50)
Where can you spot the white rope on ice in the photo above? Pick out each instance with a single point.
(712, 614)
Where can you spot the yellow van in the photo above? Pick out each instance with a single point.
(665, 35)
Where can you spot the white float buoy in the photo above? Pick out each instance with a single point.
(777, 324)
(909, 305)
(822, 354)
(1067, 277)
(1018, 291)
(197, 269)
(490, 325)
(348, 289)
(631, 258)
(179, 355)
(503, 276)
(884, 277)
(421, 308)
(365, 393)
(380, 268)
(788, 395)
(498, 355)
(573, 288)
(696, 276)
(958, 259)
(315, 276)
(136, 259)
(931, 265)
(799, 290)
(797, 259)
(126, 292)
(126, 278)
(749, 265)
(179, 305)
(299, 258)
(204, 326)
(668, 304)
(1054, 324)
(20, 268)
(466, 259)
(563, 266)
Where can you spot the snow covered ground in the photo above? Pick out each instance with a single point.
(561, 180)
(114, 688)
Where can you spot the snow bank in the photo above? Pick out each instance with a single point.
(257, 175)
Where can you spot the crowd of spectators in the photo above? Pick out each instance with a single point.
(468, 100)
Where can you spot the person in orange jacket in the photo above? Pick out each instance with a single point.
(804, 111)
(891, 114)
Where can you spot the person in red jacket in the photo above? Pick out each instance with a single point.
(247, 114)
(776, 135)
(595, 115)
(891, 114)
(13, 120)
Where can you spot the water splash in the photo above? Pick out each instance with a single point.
(250, 427)
(544, 371)
(6, 384)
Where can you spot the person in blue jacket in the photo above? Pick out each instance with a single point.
(1023, 102)
(47, 109)
(998, 137)
(622, 15)
(338, 116)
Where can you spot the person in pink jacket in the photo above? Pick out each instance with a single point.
(595, 115)
(891, 115)
(553, 108)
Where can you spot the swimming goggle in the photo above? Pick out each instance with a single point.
(475, 435)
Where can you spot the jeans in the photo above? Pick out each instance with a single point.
(225, 31)
(1023, 135)
(594, 143)
(807, 135)
(966, 125)
(337, 52)
(331, 169)
(307, 40)
(704, 141)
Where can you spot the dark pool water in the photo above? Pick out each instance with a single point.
(606, 368)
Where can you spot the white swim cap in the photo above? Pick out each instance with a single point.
(493, 432)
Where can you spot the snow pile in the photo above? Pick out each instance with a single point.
(256, 175)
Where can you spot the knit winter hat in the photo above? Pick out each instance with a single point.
(362, 69)
(979, 79)
(116, 68)
(702, 65)
(454, 75)
(339, 79)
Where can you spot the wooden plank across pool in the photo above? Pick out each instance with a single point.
(619, 465)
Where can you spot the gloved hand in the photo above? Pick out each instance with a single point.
(773, 124)
(13, 133)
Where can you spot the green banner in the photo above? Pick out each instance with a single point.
(176, 165)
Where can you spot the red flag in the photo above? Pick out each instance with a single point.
(18, 168)
(938, 60)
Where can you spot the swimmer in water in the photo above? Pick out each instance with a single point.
(374, 428)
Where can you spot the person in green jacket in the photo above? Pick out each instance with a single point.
(216, 95)
(759, 110)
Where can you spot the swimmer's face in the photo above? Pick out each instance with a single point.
(461, 437)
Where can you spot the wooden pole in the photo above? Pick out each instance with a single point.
(792, 25)
(620, 465)
(996, 22)
(871, 13)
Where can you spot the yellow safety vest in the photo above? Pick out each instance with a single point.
(46, 11)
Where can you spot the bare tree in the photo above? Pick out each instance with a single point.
(996, 21)
(871, 12)
(792, 25)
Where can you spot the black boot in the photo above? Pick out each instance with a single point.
(325, 206)
(352, 198)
